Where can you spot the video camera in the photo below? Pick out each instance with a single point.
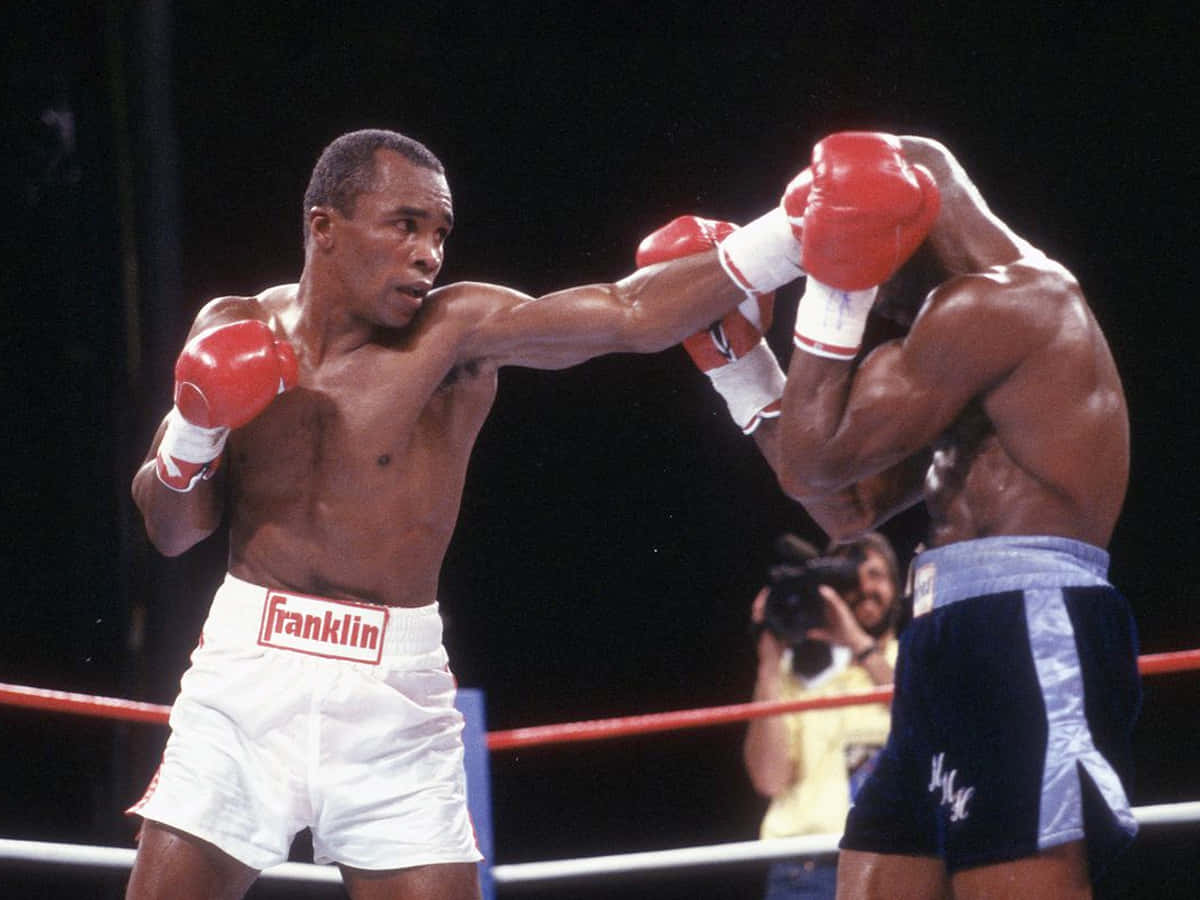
(794, 604)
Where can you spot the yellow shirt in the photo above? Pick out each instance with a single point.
(827, 745)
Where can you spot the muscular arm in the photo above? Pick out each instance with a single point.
(177, 521)
(968, 236)
(650, 310)
(859, 507)
(842, 424)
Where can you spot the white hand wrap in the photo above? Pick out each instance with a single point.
(750, 384)
(191, 443)
(762, 256)
(830, 322)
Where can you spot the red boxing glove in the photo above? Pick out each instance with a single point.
(227, 375)
(867, 212)
(731, 352)
(224, 377)
(682, 237)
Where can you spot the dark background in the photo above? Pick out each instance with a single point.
(615, 525)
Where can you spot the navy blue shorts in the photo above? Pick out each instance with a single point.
(1016, 693)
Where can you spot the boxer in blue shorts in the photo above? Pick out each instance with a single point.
(976, 775)
(1007, 769)
(331, 421)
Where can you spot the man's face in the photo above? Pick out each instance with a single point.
(873, 601)
(390, 249)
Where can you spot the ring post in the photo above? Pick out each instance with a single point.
(469, 702)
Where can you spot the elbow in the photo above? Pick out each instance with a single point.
(769, 781)
(842, 515)
(771, 772)
(165, 534)
(768, 787)
(805, 482)
(808, 465)
(848, 529)
(793, 484)
(168, 545)
(170, 542)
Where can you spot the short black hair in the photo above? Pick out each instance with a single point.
(346, 168)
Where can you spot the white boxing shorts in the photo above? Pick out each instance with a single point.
(301, 711)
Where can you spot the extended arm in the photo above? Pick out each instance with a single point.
(649, 310)
(691, 273)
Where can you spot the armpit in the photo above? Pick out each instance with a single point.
(461, 372)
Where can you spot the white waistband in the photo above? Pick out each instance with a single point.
(252, 615)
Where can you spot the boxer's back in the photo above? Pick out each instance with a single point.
(1045, 448)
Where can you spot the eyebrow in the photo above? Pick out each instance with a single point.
(417, 212)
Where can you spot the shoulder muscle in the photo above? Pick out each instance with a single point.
(979, 327)
(466, 311)
(223, 310)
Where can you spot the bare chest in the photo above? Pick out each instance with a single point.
(362, 433)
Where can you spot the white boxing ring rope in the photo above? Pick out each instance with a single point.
(551, 870)
(83, 855)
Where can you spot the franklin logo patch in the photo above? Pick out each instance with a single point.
(337, 629)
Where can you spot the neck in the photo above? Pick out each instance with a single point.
(324, 323)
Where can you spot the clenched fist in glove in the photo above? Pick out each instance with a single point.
(731, 352)
(866, 213)
(224, 377)
(849, 221)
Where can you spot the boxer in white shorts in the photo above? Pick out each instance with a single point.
(330, 422)
(300, 712)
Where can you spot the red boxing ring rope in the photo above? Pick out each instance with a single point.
(557, 870)
(598, 729)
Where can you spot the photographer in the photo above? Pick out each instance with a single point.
(826, 625)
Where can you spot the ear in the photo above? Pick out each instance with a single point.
(320, 227)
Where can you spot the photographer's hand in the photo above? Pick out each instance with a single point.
(841, 627)
(770, 647)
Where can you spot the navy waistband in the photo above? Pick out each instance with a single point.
(993, 565)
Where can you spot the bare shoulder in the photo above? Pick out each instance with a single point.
(466, 309)
(275, 301)
(988, 322)
(473, 299)
(265, 306)
(223, 310)
(1032, 287)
